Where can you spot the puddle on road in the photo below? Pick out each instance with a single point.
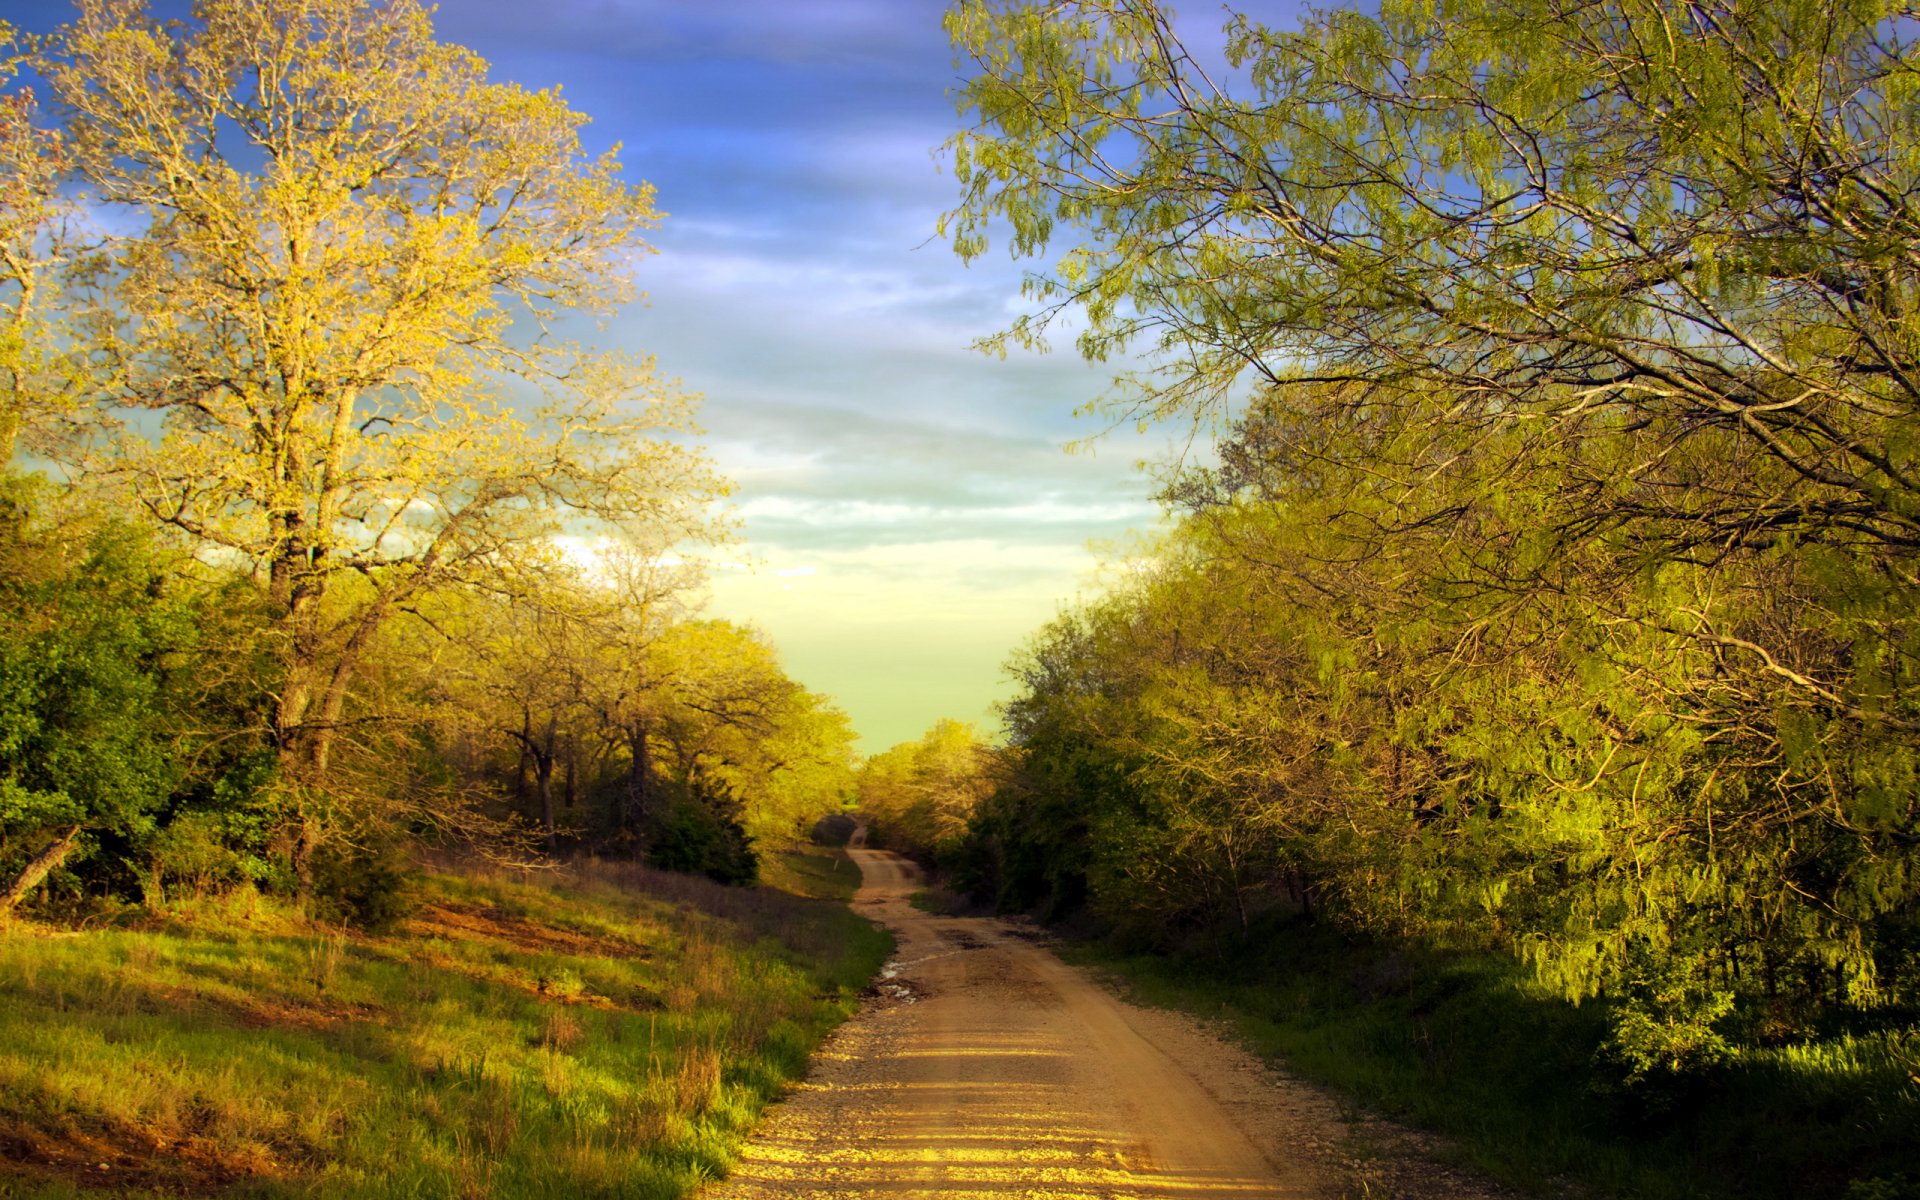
(889, 986)
(1037, 936)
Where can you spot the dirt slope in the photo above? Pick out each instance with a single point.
(987, 1068)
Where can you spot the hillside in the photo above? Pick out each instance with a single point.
(599, 1030)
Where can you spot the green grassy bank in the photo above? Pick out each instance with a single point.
(599, 1031)
(1517, 1080)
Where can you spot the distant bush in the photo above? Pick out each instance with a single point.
(835, 829)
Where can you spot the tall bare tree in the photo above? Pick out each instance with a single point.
(38, 362)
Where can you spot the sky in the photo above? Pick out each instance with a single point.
(909, 511)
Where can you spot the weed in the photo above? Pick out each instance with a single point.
(641, 1117)
(696, 1080)
(323, 959)
(560, 983)
(562, 1032)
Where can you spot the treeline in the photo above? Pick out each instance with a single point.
(1552, 592)
(320, 541)
(1305, 705)
(917, 796)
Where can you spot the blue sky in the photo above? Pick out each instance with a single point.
(908, 504)
(910, 512)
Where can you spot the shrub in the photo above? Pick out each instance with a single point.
(699, 833)
(370, 887)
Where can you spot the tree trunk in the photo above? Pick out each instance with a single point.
(544, 764)
(304, 743)
(526, 758)
(639, 771)
(305, 838)
(333, 699)
(42, 865)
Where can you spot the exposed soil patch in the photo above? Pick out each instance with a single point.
(458, 922)
(127, 1160)
(268, 1011)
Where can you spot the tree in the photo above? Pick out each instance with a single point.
(349, 256)
(1686, 225)
(919, 795)
(1558, 575)
(39, 370)
(520, 668)
(801, 771)
(86, 738)
(727, 714)
(649, 588)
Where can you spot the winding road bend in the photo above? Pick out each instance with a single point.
(988, 1068)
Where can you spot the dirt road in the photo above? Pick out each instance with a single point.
(988, 1068)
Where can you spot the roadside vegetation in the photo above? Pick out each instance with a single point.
(1521, 1082)
(1516, 719)
(916, 797)
(599, 1030)
(322, 561)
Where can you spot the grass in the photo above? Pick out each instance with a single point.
(822, 872)
(602, 1031)
(1471, 1047)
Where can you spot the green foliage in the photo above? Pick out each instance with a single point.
(1027, 847)
(918, 795)
(699, 832)
(727, 712)
(193, 851)
(1555, 773)
(370, 887)
(1665, 1016)
(130, 694)
(1552, 596)
(88, 636)
(80, 672)
(1566, 214)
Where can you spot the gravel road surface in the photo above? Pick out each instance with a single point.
(985, 1067)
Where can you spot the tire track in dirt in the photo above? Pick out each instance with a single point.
(985, 1067)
